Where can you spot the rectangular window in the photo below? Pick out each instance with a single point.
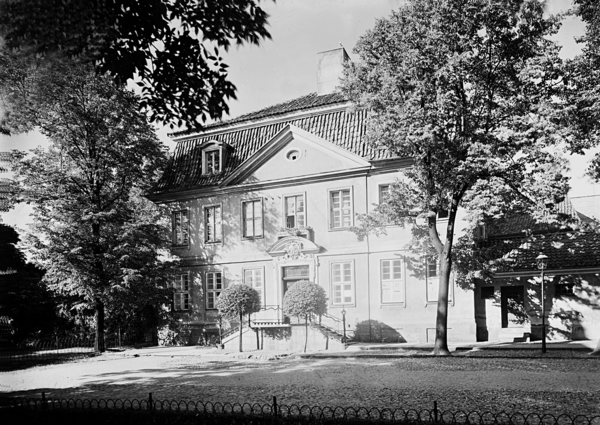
(181, 297)
(212, 161)
(180, 228)
(384, 191)
(214, 286)
(212, 224)
(252, 219)
(294, 211)
(391, 281)
(254, 278)
(342, 281)
(340, 207)
(563, 289)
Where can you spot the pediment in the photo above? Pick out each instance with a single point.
(294, 152)
(293, 247)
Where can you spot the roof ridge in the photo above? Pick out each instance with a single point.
(282, 108)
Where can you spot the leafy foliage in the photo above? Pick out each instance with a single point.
(238, 300)
(305, 299)
(170, 48)
(23, 297)
(467, 89)
(581, 96)
(100, 242)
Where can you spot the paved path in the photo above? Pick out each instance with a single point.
(528, 385)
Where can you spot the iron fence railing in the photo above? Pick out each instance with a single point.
(280, 413)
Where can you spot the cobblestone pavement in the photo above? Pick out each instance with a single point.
(555, 386)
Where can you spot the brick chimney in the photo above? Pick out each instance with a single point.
(330, 65)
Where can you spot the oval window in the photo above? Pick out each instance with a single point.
(293, 155)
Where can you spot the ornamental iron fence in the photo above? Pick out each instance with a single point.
(235, 413)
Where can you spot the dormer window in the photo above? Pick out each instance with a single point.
(212, 160)
(214, 156)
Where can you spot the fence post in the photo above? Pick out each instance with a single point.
(150, 402)
(44, 401)
(275, 407)
(435, 412)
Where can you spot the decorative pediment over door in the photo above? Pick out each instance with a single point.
(293, 248)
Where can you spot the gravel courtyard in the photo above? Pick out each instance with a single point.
(528, 385)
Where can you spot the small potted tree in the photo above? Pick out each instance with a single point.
(303, 300)
(237, 301)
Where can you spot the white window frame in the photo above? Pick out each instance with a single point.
(254, 271)
(284, 209)
(344, 292)
(380, 200)
(379, 190)
(393, 284)
(180, 230)
(206, 155)
(213, 288)
(181, 295)
(216, 217)
(331, 210)
(254, 219)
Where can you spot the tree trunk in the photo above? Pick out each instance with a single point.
(241, 326)
(441, 321)
(596, 351)
(444, 251)
(99, 341)
(305, 332)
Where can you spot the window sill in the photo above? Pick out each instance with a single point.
(339, 229)
(251, 238)
(213, 242)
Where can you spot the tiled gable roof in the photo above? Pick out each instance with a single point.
(310, 101)
(342, 128)
(565, 250)
(516, 225)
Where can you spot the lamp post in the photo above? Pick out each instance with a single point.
(542, 264)
(344, 323)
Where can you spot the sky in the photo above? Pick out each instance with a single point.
(284, 68)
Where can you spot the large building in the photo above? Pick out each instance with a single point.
(271, 197)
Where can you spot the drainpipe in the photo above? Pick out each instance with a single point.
(368, 260)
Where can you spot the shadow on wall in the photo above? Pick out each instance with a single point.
(575, 297)
(376, 331)
(279, 334)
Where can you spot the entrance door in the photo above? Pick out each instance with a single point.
(290, 276)
(512, 306)
(294, 274)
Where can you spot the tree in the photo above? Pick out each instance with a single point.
(98, 240)
(466, 88)
(236, 301)
(304, 300)
(582, 91)
(169, 48)
(22, 296)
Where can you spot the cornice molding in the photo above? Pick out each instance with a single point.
(549, 272)
(182, 195)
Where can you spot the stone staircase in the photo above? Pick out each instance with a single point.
(514, 335)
